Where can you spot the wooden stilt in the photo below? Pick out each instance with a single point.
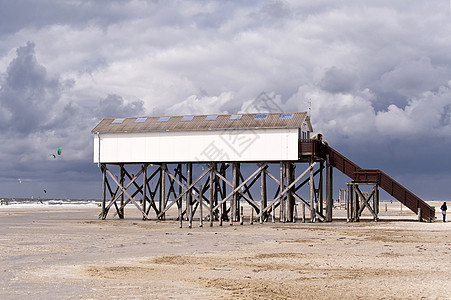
(162, 202)
(233, 199)
(103, 168)
(263, 201)
(303, 212)
(329, 187)
(212, 192)
(320, 187)
(122, 179)
(144, 188)
(220, 215)
(189, 193)
(199, 199)
(282, 187)
(290, 198)
(241, 215)
(312, 193)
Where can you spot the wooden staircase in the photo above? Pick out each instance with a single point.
(346, 166)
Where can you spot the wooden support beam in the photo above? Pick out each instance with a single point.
(144, 188)
(312, 193)
(329, 190)
(277, 199)
(124, 191)
(290, 198)
(237, 189)
(212, 191)
(282, 198)
(264, 200)
(162, 204)
(121, 210)
(240, 191)
(185, 188)
(103, 214)
(320, 187)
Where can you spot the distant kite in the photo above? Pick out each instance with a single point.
(20, 180)
(52, 156)
(45, 191)
(59, 150)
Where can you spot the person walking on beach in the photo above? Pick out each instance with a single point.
(444, 208)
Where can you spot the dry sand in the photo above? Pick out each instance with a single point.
(67, 253)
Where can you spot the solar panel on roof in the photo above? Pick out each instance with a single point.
(286, 116)
(187, 118)
(235, 117)
(211, 118)
(118, 121)
(260, 116)
(140, 120)
(163, 119)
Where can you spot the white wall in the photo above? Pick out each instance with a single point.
(186, 146)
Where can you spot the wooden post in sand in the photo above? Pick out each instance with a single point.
(312, 193)
(212, 191)
(199, 199)
(241, 215)
(220, 214)
(303, 212)
(329, 190)
(144, 190)
(282, 199)
(263, 201)
(162, 203)
(189, 194)
(103, 215)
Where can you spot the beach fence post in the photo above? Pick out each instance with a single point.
(251, 221)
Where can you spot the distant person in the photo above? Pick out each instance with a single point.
(444, 208)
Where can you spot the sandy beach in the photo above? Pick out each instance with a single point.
(68, 253)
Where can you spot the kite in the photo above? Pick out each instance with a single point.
(59, 150)
(45, 191)
(20, 180)
(52, 156)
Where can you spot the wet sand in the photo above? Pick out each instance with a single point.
(68, 253)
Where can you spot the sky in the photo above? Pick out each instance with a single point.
(377, 75)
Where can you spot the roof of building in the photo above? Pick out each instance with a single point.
(205, 122)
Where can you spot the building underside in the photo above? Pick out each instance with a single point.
(283, 191)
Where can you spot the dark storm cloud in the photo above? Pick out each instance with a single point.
(376, 72)
(339, 81)
(27, 93)
(114, 106)
(35, 120)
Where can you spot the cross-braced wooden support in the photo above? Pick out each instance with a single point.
(358, 200)
(219, 191)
